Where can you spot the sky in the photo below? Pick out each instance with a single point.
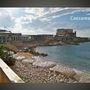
(45, 20)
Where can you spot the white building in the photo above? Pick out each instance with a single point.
(7, 36)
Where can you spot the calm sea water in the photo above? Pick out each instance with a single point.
(75, 56)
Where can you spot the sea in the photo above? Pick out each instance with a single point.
(74, 56)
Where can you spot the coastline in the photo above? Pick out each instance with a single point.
(35, 70)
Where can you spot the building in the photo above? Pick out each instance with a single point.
(61, 34)
(16, 36)
(26, 38)
(65, 34)
(42, 37)
(8, 36)
(5, 36)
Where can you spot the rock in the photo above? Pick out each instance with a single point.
(61, 80)
(15, 55)
(77, 77)
(57, 72)
(11, 52)
(66, 80)
(18, 57)
(55, 75)
(75, 82)
(70, 81)
(40, 75)
(28, 61)
(44, 64)
(67, 72)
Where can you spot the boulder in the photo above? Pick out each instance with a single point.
(17, 57)
(44, 64)
(67, 72)
(28, 61)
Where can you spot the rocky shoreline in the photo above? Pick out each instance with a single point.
(34, 70)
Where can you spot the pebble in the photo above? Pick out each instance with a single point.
(38, 75)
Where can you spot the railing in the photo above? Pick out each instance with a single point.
(7, 75)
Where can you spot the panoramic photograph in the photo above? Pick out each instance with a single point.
(45, 45)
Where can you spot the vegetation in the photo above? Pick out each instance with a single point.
(6, 56)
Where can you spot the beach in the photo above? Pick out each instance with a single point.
(33, 70)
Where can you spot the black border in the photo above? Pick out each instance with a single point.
(45, 3)
(60, 86)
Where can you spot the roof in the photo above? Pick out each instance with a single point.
(4, 31)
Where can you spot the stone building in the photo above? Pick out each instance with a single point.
(65, 34)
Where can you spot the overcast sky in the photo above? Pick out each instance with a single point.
(45, 20)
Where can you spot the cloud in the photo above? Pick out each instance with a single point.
(43, 13)
(0, 13)
(40, 20)
(46, 26)
(68, 11)
(83, 33)
(17, 28)
(8, 11)
(38, 12)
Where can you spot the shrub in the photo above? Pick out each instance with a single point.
(6, 56)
